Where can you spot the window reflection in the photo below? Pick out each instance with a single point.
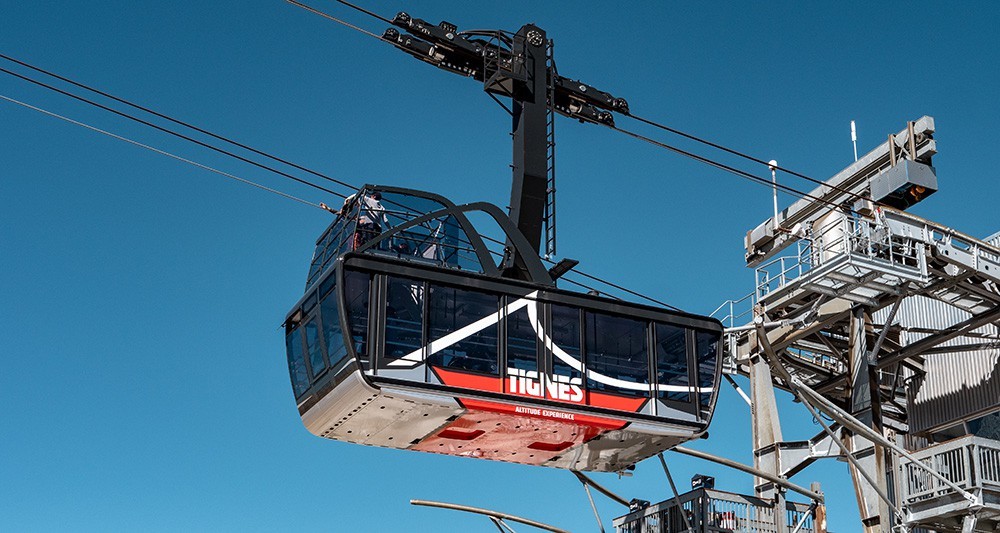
(453, 309)
(565, 333)
(522, 341)
(708, 353)
(404, 311)
(616, 348)
(357, 288)
(671, 362)
(332, 334)
(296, 362)
(316, 362)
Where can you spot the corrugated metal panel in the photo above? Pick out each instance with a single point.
(956, 385)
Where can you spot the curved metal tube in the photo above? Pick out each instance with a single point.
(749, 470)
(587, 481)
(487, 512)
(533, 263)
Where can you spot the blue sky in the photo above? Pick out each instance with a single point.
(144, 384)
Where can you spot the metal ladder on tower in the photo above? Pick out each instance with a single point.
(549, 219)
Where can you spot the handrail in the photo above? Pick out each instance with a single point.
(968, 462)
(487, 512)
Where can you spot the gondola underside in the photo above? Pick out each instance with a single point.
(395, 416)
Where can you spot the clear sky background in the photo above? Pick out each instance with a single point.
(144, 383)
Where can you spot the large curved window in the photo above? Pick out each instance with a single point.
(357, 288)
(332, 334)
(617, 359)
(316, 361)
(462, 326)
(296, 362)
(708, 355)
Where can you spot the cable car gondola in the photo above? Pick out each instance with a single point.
(409, 336)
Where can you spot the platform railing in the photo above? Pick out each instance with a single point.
(872, 240)
(714, 511)
(969, 462)
(737, 312)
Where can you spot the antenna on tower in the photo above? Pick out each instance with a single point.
(854, 140)
(773, 166)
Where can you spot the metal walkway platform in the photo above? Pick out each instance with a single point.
(848, 261)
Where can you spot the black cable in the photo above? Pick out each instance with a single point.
(365, 11)
(754, 159)
(727, 168)
(342, 183)
(173, 120)
(158, 151)
(584, 274)
(597, 279)
(228, 153)
(746, 156)
(343, 22)
(188, 125)
(623, 289)
(171, 132)
(790, 190)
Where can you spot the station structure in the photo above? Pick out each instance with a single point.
(886, 328)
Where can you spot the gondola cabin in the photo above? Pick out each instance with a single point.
(409, 337)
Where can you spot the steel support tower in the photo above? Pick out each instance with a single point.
(876, 319)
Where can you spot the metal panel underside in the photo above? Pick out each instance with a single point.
(409, 419)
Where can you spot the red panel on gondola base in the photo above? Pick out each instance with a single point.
(514, 434)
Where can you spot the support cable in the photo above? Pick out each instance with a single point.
(587, 481)
(740, 173)
(158, 151)
(738, 389)
(673, 489)
(345, 23)
(593, 506)
(746, 156)
(777, 480)
(171, 132)
(501, 525)
(849, 422)
(747, 175)
(805, 515)
(805, 394)
(365, 11)
(214, 148)
(853, 460)
(174, 120)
